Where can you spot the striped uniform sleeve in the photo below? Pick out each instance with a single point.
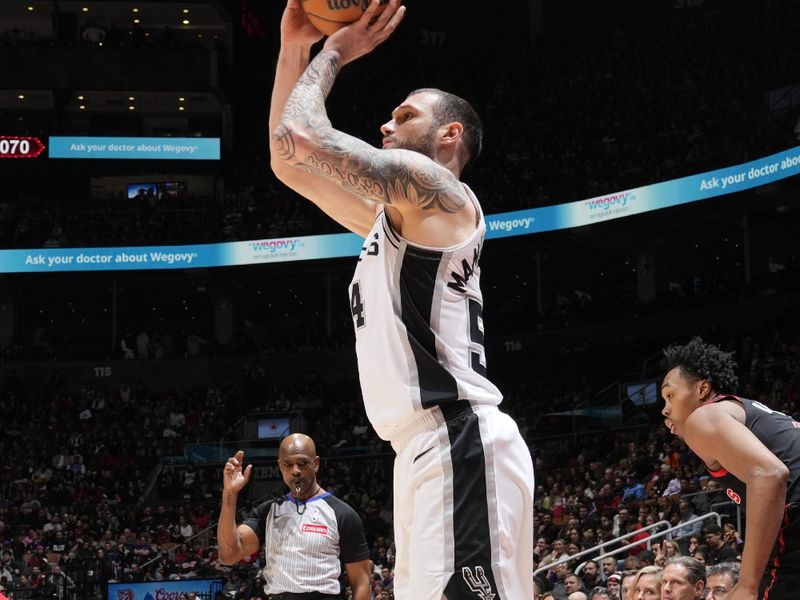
(257, 521)
(352, 541)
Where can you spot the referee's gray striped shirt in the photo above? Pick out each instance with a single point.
(305, 545)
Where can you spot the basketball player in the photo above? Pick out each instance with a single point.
(463, 477)
(307, 536)
(753, 451)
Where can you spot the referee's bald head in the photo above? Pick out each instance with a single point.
(298, 443)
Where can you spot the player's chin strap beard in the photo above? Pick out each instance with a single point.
(301, 501)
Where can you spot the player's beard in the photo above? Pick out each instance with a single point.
(423, 144)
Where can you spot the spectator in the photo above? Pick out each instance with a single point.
(718, 549)
(599, 593)
(627, 579)
(590, 574)
(720, 579)
(683, 534)
(558, 552)
(62, 585)
(610, 566)
(557, 578)
(647, 584)
(683, 579)
(573, 583)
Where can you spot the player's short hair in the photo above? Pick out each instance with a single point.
(451, 108)
(699, 360)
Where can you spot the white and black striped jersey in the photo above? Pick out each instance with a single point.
(305, 544)
(419, 329)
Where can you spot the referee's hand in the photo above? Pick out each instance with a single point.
(233, 477)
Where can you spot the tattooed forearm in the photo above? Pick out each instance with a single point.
(309, 93)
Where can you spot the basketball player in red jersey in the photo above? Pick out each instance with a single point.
(753, 451)
(463, 476)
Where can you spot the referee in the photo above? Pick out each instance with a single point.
(307, 535)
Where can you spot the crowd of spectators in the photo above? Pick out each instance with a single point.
(77, 511)
(74, 497)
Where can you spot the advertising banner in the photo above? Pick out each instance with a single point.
(145, 148)
(522, 222)
(164, 590)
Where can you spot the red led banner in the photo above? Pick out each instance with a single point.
(18, 146)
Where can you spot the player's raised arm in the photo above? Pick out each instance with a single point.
(297, 37)
(297, 34)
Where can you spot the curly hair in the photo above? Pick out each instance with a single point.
(699, 360)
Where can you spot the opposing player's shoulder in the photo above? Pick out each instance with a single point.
(714, 421)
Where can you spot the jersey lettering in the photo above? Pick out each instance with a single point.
(766, 408)
(372, 249)
(734, 496)
(477, 351)
(460, 280)
(357, 306)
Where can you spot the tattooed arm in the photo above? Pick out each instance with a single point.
(424, 195)
(407, 180)
(297, 37)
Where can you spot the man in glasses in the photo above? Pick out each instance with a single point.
(720, 579)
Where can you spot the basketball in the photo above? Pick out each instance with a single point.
(331, 15)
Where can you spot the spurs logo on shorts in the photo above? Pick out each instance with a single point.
(478, 583)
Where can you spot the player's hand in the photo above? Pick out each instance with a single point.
(295, 26)
(233, 477)
(376, 24)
